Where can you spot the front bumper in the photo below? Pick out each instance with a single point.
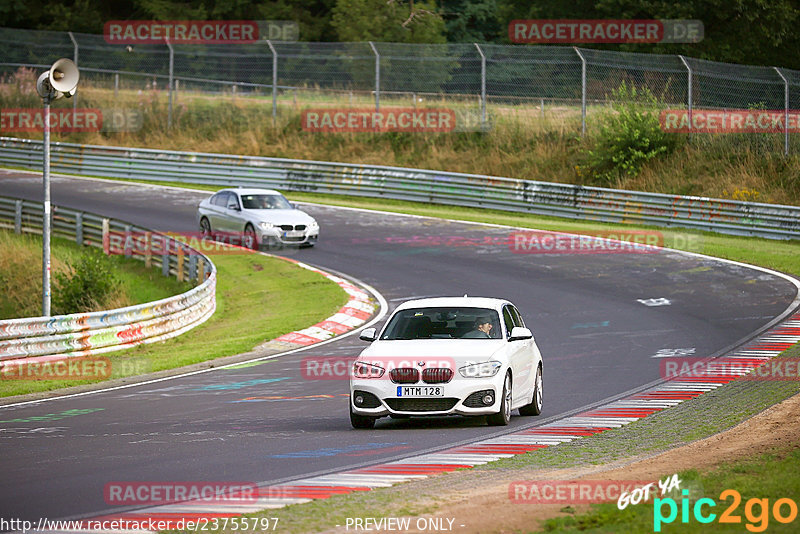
(276, 238)
(461, 396)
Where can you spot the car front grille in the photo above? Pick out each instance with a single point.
(437, 375)
(404, 375)
(289, 227)
(421, 405)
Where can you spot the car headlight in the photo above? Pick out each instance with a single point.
(480, 370)
(266, 226)
(367, 370)
(313, 225)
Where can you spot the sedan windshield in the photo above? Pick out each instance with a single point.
(265, 202)
(443, 323)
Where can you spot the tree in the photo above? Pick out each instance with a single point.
(471, 21)
(388, 21)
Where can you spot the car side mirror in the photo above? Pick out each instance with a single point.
(368, 334)
(233, 207)
(519, 332)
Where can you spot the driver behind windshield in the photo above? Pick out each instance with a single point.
(481, 330)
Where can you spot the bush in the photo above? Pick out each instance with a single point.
(84, 287)
(627, 137)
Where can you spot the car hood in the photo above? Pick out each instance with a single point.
(459, 351)
(281, 216)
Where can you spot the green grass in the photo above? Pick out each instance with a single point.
(21, 275)
(258, 299)
(763, 477)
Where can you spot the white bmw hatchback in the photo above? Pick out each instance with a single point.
(470, 356)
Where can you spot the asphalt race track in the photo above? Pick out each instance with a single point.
(267, 423)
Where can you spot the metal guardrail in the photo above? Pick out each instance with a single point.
(458, 189)
(81, 334)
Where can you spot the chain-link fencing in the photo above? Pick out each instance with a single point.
(569, 81)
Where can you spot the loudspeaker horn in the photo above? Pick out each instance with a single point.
(64, 75)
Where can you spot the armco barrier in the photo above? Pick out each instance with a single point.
(543, 198)
(47, 338)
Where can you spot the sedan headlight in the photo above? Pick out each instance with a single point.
(367, 370)
(313, 225)
(266, 226)
(480, 370)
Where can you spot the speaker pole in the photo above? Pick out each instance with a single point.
(46, 214)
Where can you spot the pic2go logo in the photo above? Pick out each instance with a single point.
(756, 511)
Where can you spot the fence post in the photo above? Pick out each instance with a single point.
(18, 217)
(583, 90)
(148, 249)
(192, 267)
(179, 268)
(127, 247)
(785, 112)
(75, 60)
(79, 228)
(377, 76)
(166, 256)
(116, 84)
(106, 238)
(171, 68)
(483, 86)
(689, 98)
(274, 81)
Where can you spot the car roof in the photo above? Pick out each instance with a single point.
(250, 191)
(467, 302)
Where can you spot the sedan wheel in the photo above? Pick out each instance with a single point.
(250, 236)
(205, 227)
(535, 407)
(502, 417)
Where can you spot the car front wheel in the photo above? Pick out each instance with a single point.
(502, 417)
(250, 237)
(361, 421)
(535, 407)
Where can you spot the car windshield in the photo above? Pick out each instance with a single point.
(265, 202)
(443, 323)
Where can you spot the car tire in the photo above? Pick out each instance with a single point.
(535, 407)
(250, 233)
(205, 228)
(361, 421)
(502, 417)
